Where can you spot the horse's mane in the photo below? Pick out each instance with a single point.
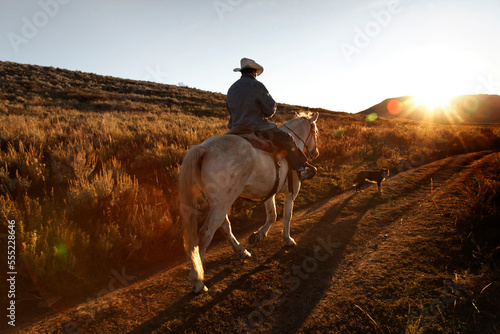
(303, 114)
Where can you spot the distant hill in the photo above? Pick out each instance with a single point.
(481, 109)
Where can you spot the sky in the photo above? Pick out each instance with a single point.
(335, 54)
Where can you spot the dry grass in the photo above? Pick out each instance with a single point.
(90, 190)
(477, 258)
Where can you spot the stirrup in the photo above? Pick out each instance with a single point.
(307, 173)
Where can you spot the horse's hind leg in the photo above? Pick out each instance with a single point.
(238, 249)
(215, 219)
(255, 237)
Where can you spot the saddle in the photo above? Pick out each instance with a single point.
(256, 138)
(264, 143)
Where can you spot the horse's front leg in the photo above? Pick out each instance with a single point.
(287, 217)
(270, 205)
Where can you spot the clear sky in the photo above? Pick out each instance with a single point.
(336, 54)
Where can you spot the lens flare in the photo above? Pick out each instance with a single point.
(370, 118)
(60, 250)
(394, 106)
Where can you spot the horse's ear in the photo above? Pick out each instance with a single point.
(314, 118)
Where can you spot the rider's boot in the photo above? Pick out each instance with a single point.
(306, 172)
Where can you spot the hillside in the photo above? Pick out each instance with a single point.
(88, 173)
(35, 86)
(476, 109)
(31, 88)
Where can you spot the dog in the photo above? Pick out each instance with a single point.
(376, 176)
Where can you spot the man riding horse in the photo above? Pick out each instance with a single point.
(250, 105)
(222, 168)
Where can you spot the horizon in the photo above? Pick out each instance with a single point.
(336, 56)
(410, 98)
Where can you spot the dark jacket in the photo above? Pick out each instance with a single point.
(249, 105)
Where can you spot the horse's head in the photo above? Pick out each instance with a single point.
(310, 143)
(305, 132)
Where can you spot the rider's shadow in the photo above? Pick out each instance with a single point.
(329, 232)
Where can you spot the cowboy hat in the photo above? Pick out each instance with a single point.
(249, 63)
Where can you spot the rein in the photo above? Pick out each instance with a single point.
(303, 141)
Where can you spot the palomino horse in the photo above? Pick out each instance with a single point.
(222, 168)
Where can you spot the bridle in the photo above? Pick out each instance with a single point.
(310, 136)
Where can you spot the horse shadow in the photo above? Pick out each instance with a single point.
(307, 296)
(178, 307)
(289, 318)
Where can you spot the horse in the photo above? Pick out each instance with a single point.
(221, 169)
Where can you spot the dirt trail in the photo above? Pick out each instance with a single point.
(344, 275)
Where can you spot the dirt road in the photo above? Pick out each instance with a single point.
(360, 262)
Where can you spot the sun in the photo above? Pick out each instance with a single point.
(435, 74)
(433, 101)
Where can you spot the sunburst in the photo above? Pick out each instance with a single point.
(433, 101)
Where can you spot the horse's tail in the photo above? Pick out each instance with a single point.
(189, 195)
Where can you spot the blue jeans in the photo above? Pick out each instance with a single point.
(283, 140)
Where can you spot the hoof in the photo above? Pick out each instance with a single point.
(199, 287)
(290, 242)
(245, 254)
(253, 238)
